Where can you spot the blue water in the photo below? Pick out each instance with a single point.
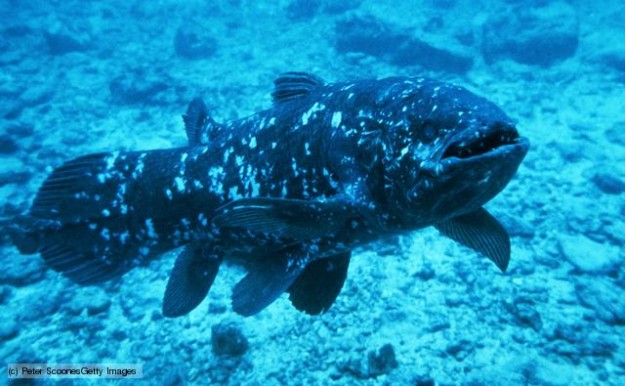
(83, 77)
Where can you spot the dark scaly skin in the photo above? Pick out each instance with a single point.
(375, 144)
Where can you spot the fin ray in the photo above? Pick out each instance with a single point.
(318, 286)
(290, 85)
(480, 231)
(268, 280)
(193, 274)
(198, 123)
(289, 218)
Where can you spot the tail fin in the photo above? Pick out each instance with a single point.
(78, 220)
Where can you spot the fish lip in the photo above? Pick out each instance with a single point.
(518, 145)
(517, 149)
(480, 140)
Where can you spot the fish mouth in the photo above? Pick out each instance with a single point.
(496, 142)
(499, 138)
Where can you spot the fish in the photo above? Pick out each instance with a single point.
(288, 192)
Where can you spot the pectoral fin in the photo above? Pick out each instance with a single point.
(193, 274)
(287, 218)
(480, 231)
(316, 289)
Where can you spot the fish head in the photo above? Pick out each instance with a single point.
(450, 153)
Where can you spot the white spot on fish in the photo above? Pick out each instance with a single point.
(149, 227)
(106, 212)
(227, 154)
(179, 184)
(233, 193)
(168, 194)
(313, 109)
(123, 237)
(253, 143)
(337, 117)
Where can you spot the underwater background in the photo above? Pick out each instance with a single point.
(79, 77)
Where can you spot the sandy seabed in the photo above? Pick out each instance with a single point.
(79, 78)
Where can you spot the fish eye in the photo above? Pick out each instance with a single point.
(428, 131)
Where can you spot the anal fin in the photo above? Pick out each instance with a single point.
(194, 272)
(316, 289)
(480, 231)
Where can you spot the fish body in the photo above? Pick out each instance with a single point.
(288, 192)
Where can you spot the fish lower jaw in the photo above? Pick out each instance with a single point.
(481, 144)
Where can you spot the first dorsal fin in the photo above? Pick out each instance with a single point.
(198, 123)
(291, 85)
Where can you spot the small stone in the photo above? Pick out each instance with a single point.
(608, 182)
(20, 130)
(454, 300)
(423, 381)
(543, 33)
(217, 307)
(438, 324)
(303, 9)
(16, 31)
(15, 176)
(338, 7)
(8, 144)
(524, 312)
(605, 298)
(516, 225)
(5, 293)
(128, 89)
(42, 306)
(119, 334)
(193, 42)
(381, 361)
(616, 133)
(425, 272)
(8, 326)
(94, 300)
(372, 37)
(588, 256)
(63, 43)
(459, 349)
(22, 270)
(35, 96)
(552, 373)
(227, 339)
(613, 57)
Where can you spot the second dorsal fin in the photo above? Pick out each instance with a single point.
(291, 85)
